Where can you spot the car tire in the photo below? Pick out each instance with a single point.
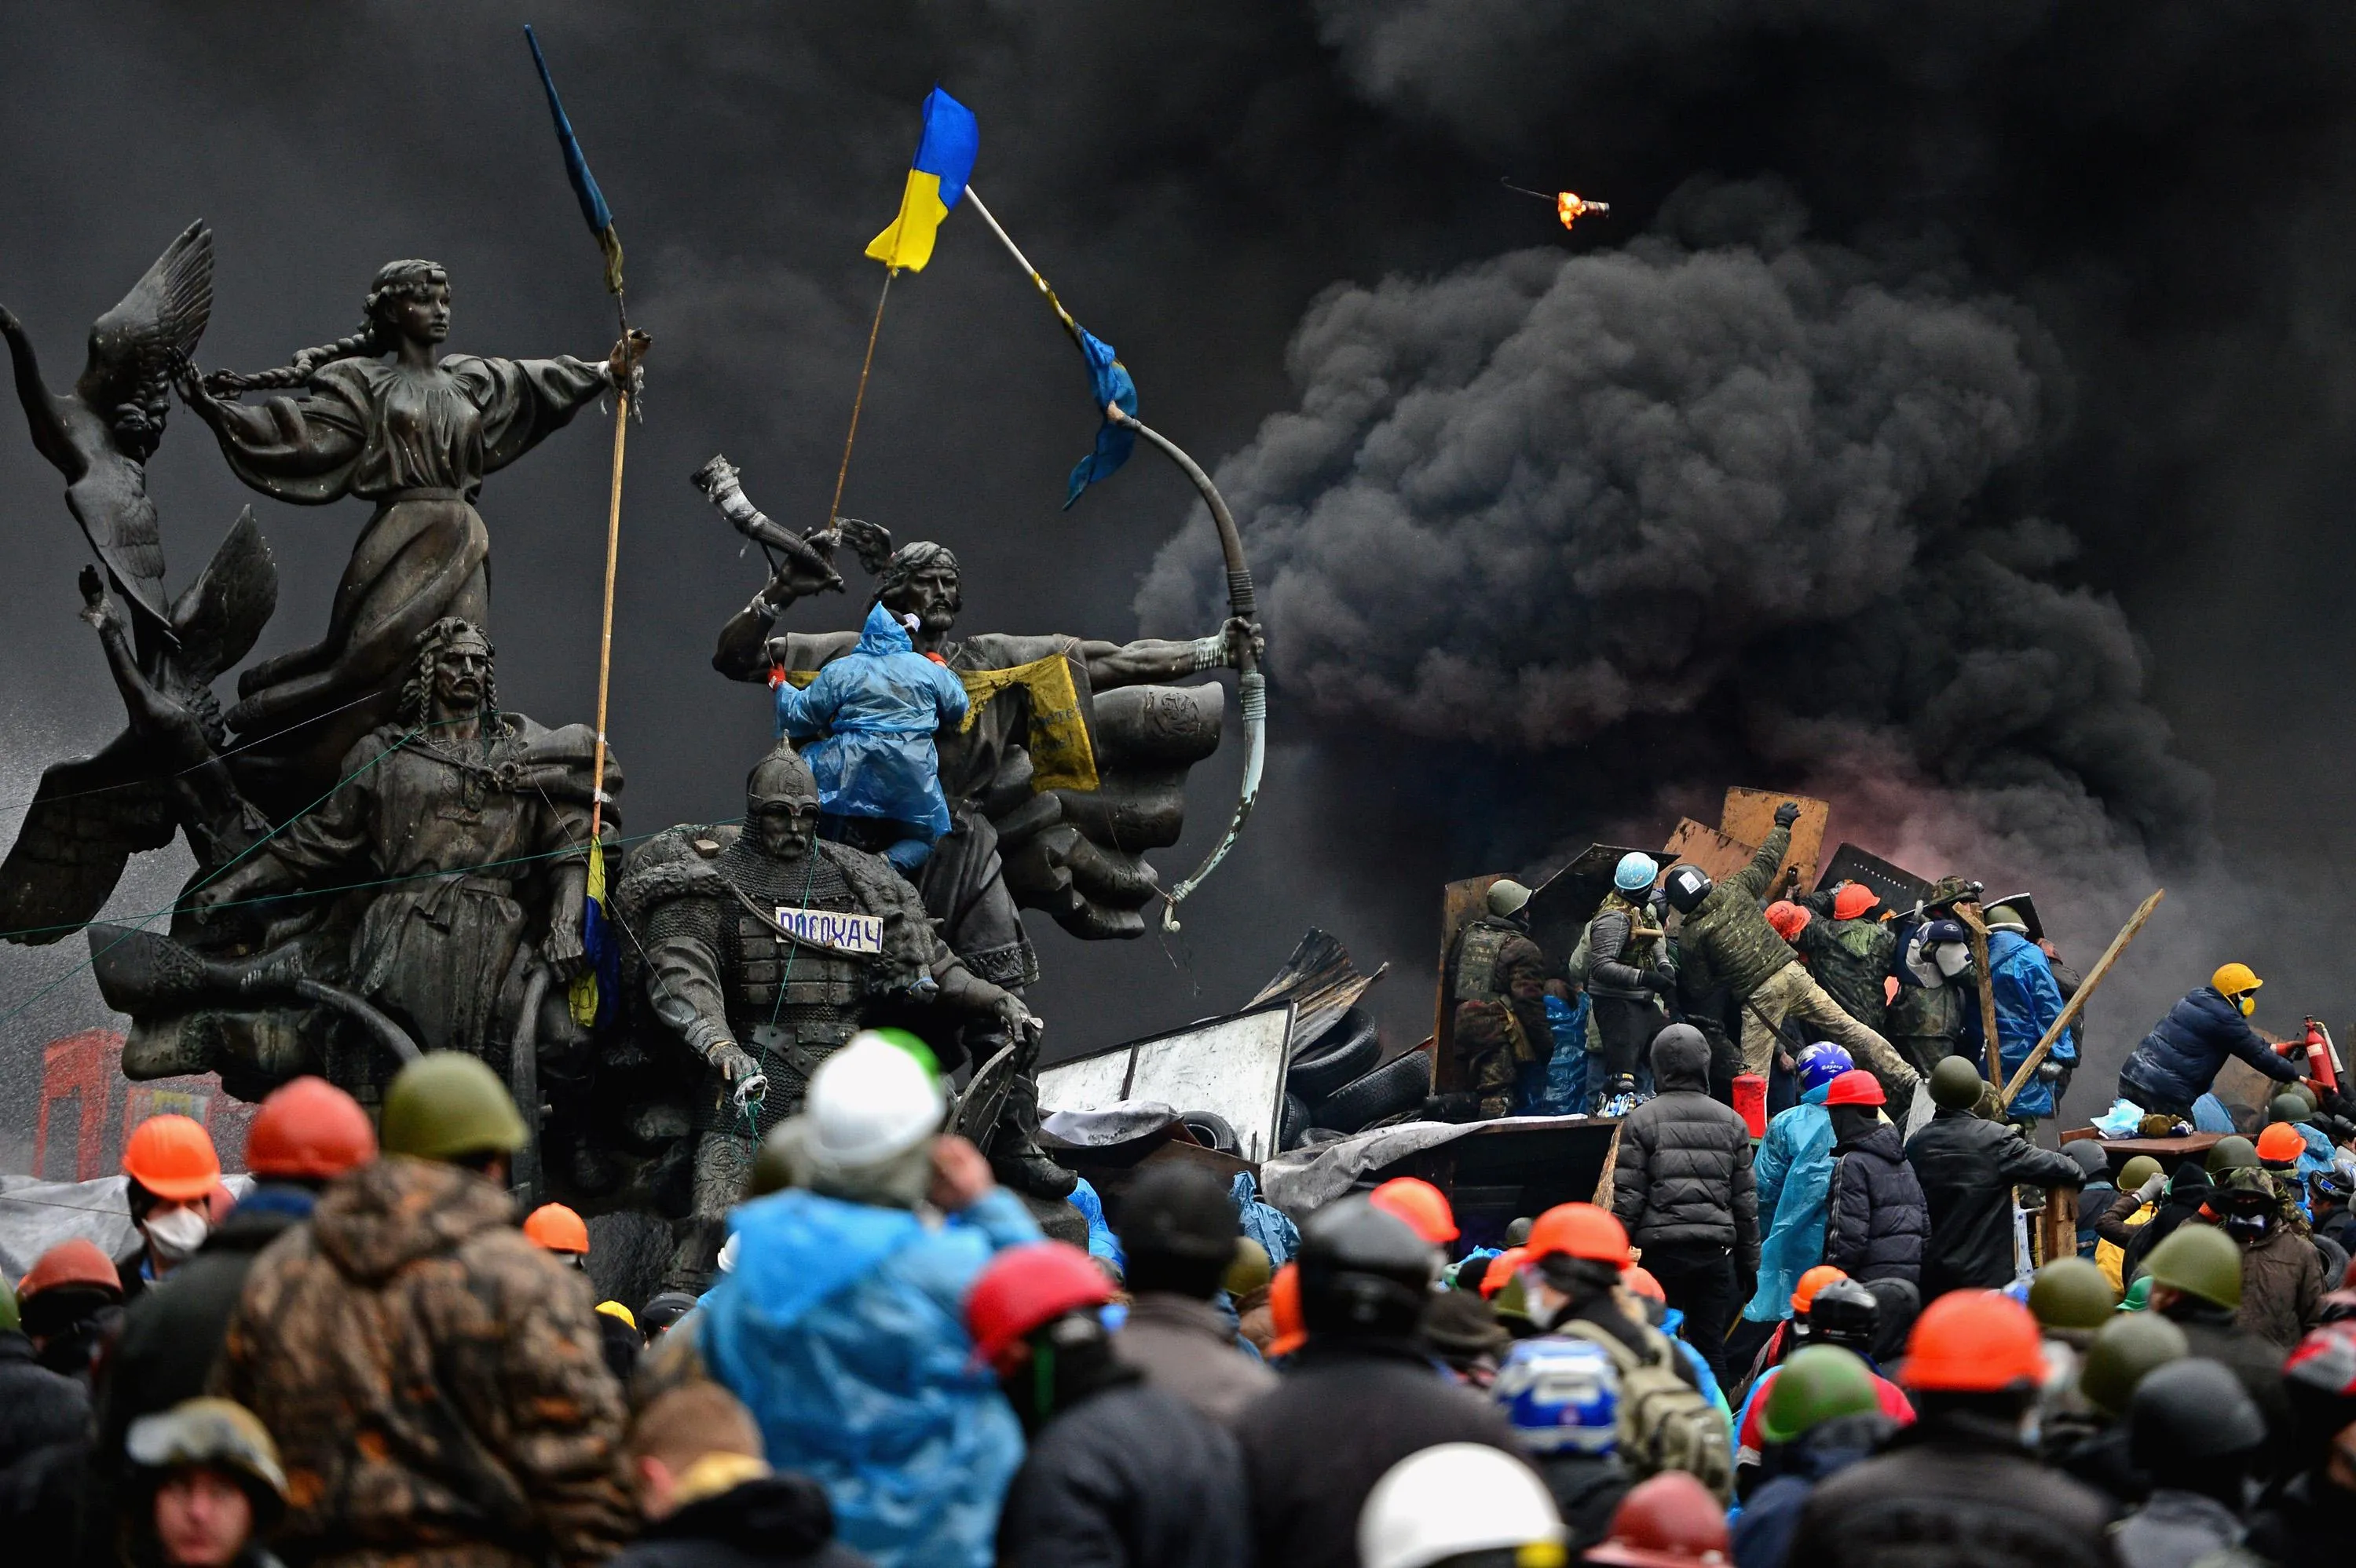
(1396, 1085)
(1293, 1123)
(1347, 1047)
(1211, 1130)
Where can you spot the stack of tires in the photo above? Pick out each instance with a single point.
(1334, 1086)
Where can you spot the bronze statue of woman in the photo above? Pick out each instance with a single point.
(378, 415)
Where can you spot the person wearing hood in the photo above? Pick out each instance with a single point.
(1969, 1168)
(2028, 1003)
(435, 1382)
(1793, 1174)
(1681, 1188)
(171, 1179)
(44, 1441)
(871, 714)
(842, 1327)
(2175, 1063)
(1826, 1413)
(306, 1133)
(2193, 1431)
(1879, 1223)
(709, 1498)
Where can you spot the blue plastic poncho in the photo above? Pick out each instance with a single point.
(1102, 1243)
(1563, 1091)
(1793, 1173)
(2027, 1003)
(877, 709)
(1271, 1227)
(842, 1330)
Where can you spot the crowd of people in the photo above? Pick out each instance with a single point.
(1813, 1342)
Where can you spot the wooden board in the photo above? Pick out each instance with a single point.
(1749, 816)
(1698, 844)
(1459, 901)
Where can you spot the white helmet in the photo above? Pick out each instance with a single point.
(867, 1103)
(1456, 1498)
(1507, 897)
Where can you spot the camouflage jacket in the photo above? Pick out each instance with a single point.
(1729, 928)
(1850, 959)
(433, 1381)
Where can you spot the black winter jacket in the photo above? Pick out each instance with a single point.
(1789, 1474)
(1619, 962)
(1969, 1168)
(1346, 1411)
(771, 1521)
(2309, 1526)
(1877, 1225)
(44, 1440)
(1948, 1494)
(1128, 1478)
(1683, 1177)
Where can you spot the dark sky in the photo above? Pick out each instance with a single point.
(2155, 196)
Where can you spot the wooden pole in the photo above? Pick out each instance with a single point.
(2077, 1004)
(606, 636)
(843, 473)
(1969, 914)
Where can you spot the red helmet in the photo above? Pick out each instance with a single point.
(1788, 919)
(1423, 1206)
(1579, 1231)
(1643, 1284)
(1669, 1521)
(75, 1263)
(173, 1158)
(1855, 1087)
(1973, 1341)
(308, 1130)
(553, 1228)
(1026, 1287)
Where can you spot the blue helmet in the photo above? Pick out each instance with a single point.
(1562, 1396)
(1636, 872)
(1822, 1062)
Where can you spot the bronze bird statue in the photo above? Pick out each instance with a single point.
(101, 434)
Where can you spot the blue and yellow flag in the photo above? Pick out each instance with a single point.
(594, 210)
(944, 156)
(1109, 382)
(596, 989)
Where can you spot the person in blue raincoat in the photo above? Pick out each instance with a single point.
(840, 1327)
(872, 714)
(1794, 1171)
(2027, 1002)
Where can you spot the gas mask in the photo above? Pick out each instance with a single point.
(1953, 959)
(176, 1232)
(2248, 1002)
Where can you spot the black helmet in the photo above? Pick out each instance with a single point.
(1363, 1273)
(1686, 888)
(2189, 1414)
(1845, 1314)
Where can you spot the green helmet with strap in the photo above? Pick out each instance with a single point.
(2072, 1293)
(447, 1105)
(2128, 1346)
(2200, 1260)
(1819, 1382)
(1956, 1084)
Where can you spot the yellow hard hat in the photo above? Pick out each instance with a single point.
(2234, 979)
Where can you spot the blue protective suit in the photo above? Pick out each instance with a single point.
(1563, 1089)
(875, 710)
(1794, 1172)
(1102, 1243)
(842, 1329)
(2027, 1003)
(1264, 1223)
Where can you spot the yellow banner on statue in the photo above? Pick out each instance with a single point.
(1062, 756)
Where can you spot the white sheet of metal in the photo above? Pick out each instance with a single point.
(1232, 1067)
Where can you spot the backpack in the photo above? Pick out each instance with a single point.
(1666, 1424)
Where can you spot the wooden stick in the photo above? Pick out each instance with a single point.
(1969, 914)
(605, 637)
(2077, 1004)
(843, 472)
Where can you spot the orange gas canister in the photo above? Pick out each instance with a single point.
(1750, 1102)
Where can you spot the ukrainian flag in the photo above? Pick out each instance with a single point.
(945, 157)
(598, 988)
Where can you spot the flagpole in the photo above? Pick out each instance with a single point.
(842, 473)
(1022, 260)
(606, 636)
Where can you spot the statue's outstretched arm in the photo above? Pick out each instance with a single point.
(1152, 659)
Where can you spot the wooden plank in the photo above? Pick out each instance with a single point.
(1749, 816)
(2077, 998)
(1717, 855)
(1969, 914)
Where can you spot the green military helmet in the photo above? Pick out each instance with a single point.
(1517, 1233)
(1512, 1303)
(2004, 917)
(1250, 1271)
(2288, 1107)
(2232, 1152)
(2129, 1346)
(1819, 1382)
(2072, 1293)
(2137, 1171)
(446, 1105)
(2200, 1260)
(1956, 1084)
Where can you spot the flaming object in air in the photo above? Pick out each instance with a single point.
(1568, 205)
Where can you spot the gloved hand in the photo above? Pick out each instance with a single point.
(735, 1062)
(2152, 1189)
(1787, 813)
(1663, 984)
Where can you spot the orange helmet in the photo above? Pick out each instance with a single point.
(1803, 1295)
(75, 1263)
(1579, 1231)
(1852, 901)
(1423, 1206)
(1973, 1341)
(553, 1228)
(1642, 1282)
(309, 1130)
(2280, 1144)
(171, 1157)
(1501, 1269)
(1284, 1311)
(1788, 919)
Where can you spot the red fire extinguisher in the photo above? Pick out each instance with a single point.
(2322, 1056)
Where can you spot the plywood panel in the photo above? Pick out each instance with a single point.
(1698, 844)
(1749, 816)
